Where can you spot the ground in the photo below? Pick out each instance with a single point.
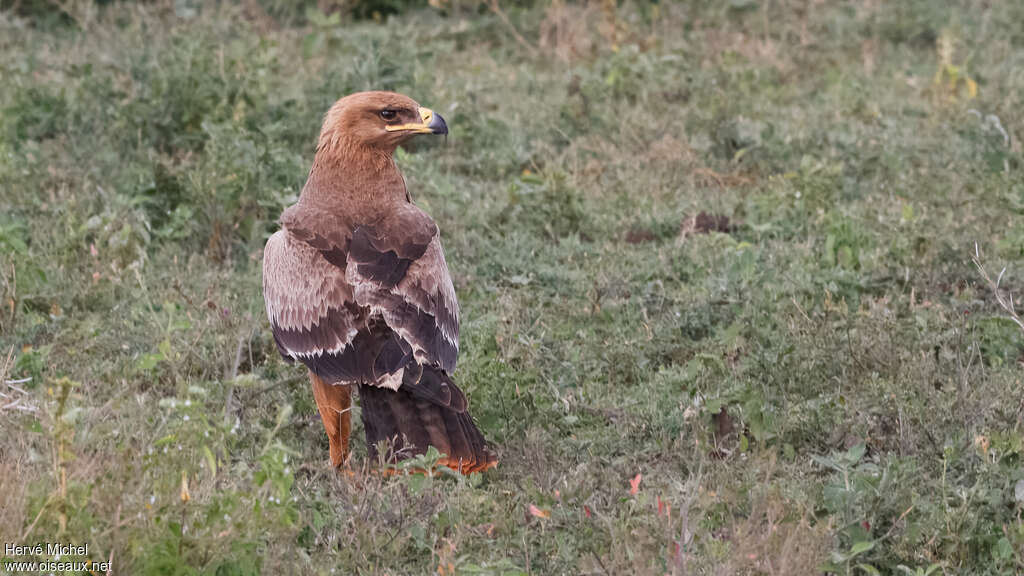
(719, 309)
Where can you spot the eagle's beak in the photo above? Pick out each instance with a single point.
(432, 123)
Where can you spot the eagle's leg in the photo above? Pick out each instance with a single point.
(335, 403)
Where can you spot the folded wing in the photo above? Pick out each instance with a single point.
(397, 269)
(311, 307)
(374, 306)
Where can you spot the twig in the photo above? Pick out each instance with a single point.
(599, 562)
(17, 405)
(7, 365)
(24, 537)
(285, 381)
(892, 528)
(231, 375)
(685, 537)
(68, 8)
(118, 523)
(494, 7)
(13, 298)
(801, 310)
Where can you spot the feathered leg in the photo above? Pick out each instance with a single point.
(335, 403)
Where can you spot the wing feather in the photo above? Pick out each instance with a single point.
(311, 307)
(370, 305)
(398, 270)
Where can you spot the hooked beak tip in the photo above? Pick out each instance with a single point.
(437, 124)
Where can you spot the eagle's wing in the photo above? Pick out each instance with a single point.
(324, 292)
(397, 269)
(312, 310)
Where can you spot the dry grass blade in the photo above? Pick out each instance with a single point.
(1003, 298)
(20, 396)
(8, 363)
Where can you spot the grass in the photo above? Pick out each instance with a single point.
(720, 314)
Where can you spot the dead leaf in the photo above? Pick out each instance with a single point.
(185, 495)
(982, 443)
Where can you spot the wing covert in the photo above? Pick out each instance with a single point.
(397, 269)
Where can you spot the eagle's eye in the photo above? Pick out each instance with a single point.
(388, 115)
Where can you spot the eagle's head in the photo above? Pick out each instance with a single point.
(377, 121)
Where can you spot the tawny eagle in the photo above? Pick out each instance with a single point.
(357, 289)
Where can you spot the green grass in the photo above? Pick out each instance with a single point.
(822, 384)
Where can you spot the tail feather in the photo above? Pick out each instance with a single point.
(410, 422)
(379, 420)
(475, 446)
(430, 384)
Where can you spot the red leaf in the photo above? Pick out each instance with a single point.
(538, 512)
(634, 484)
(586, 510)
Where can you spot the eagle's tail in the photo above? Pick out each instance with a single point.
(427, 410)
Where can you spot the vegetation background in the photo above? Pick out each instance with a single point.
(714, 261)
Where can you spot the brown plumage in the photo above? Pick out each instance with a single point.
(358, 290)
